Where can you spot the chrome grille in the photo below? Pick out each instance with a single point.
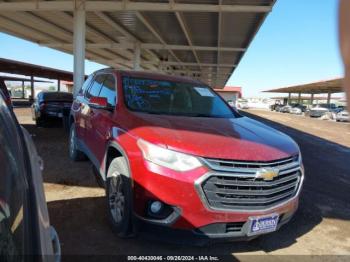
(232, 184)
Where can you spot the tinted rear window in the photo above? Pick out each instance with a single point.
(57, 97)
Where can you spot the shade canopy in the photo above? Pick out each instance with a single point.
(21, 68)
(203, 39)
(321, 87)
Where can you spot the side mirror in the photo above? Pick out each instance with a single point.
(99, 103)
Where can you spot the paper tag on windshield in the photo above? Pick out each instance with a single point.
(204, 91)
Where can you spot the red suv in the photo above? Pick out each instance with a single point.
(171, 152)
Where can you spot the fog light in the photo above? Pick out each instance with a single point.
(156, 207)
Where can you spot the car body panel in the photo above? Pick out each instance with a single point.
(37, 236)
(5, 93)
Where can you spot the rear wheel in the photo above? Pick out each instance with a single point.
(118, 196)
(74, 153)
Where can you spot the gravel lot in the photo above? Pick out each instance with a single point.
(321, 225)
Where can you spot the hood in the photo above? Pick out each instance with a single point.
(221, 138)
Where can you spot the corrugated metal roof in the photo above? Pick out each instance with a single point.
(204, 39)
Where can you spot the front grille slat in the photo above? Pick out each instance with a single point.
(232, 184)
(257, 201)
(253, 192)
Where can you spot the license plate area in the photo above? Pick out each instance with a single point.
(262, 224)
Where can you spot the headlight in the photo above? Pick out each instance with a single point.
(167, 158)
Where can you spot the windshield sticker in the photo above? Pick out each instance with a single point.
(204, 91)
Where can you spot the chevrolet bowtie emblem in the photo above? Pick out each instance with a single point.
(267, 174)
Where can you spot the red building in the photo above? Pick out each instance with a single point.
(230, 93)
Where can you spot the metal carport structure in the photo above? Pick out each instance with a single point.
(31, 70)
(328, 87)
(204, 39)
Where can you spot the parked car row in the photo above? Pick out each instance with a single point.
(331, 110)
(292, 108)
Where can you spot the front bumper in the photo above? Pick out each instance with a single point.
(191, 212)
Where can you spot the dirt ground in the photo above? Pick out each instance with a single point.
(321, 226)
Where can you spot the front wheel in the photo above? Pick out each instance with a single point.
(118, 196)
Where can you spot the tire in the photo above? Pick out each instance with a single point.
(74, 153)
(119, 198)
(39, 122)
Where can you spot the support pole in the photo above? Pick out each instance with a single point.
(58, 85)
(312, 99)
(32, 87)
(22, 89)
(329, 97)
(79, 49)
(289, 97)
(137, 56)
(299, 98)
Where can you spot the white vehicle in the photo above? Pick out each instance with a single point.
(321, 109)
(242, 104)
(343, 116)
(296, 111)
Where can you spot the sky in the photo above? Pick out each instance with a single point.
(296, 44)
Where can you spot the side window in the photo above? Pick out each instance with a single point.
(95, 86)
(108, 90)
(86, 85)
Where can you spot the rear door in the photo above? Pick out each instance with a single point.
(88, 114)
(79, 108)
(101, 119)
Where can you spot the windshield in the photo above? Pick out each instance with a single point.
(173, 98)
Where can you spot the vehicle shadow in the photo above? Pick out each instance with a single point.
(84, 229)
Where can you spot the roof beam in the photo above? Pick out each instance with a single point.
(5, 22)
(219, 40)
(123, 31)
(185, 31)
(91, 30)
(196, 64)
(113, 6)
(172, 63)
(154, 32)
(152, 46)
